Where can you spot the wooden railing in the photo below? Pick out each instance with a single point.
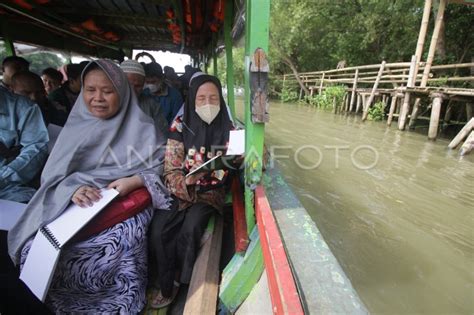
(396, 80)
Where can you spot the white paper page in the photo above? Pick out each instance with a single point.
(10, 212)
(75, 217)
(236, 142)
(202, 165)
(53, 132)
(39, 266)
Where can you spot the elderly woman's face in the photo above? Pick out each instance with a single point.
(100, 96)
(207, 94)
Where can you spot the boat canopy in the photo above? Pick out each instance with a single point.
(114, 28)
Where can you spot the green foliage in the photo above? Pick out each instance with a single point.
(326, 99)
(42, 60)
(238, 56)
(315, 35)
(442, 81)
(39, 61)
(288, 94)
(376, 112)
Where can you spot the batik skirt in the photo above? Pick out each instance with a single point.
(105, 274)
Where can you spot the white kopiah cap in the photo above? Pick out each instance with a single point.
(132, 66)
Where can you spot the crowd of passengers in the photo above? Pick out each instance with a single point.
(173, 124)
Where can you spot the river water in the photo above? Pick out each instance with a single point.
(396, 209)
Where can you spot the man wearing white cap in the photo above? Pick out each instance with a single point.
(136, 77)
(135, 74)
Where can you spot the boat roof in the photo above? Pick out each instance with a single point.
(113, 28)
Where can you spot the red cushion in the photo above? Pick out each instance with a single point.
(117, 211)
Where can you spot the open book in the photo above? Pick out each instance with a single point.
(42, 258)
(236, 147)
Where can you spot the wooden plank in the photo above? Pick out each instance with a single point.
(283, 292)
(241, 237)
(203, 289)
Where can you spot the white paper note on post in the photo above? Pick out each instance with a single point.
(236, 142)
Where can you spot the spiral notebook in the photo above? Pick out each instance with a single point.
(42, 258)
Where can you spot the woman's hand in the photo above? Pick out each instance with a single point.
(192, 179)
(127, 184)
(85, 196)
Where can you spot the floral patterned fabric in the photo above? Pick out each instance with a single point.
(175, 171)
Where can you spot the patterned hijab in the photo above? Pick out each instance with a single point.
(91, 151)
(195, 132)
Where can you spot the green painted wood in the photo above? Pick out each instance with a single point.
(241, 274)
(256, 36)
(228, 198)
(228, 18)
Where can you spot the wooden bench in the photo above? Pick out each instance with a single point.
(204, 286)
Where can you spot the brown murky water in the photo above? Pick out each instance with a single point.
(396, 209)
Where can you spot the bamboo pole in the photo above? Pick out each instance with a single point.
(372, 94)
(406, 100)
(434, 119)
(354, 87)
(346, 103)
(358, 103)
(429, 60)
(422, 35)
(321, 85)
(469, 110)
(393, 104)
(462, 134)
(468, 145)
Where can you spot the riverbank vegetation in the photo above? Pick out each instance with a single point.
(309, 35)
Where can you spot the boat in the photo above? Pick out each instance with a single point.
(277, 260)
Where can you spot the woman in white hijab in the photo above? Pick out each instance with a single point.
(107, 142)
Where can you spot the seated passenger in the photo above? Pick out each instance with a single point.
(168, 97)
(23, 146)
(196, 136)
(29, 84)
(171, 78)
(10, 66)
(106, 273)
(136, 77)
(185, 78)
(63, 98)
(52, 79)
